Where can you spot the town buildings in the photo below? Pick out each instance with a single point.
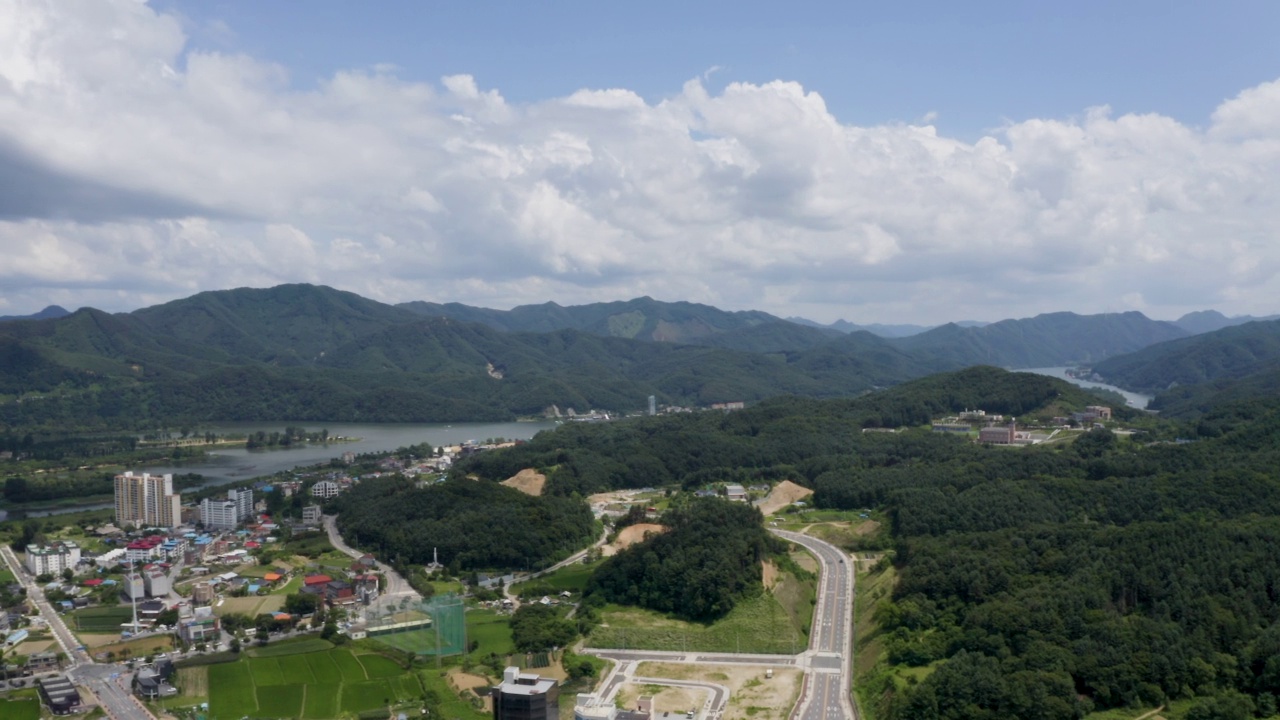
(201, 628)
(311, 515)
(147, 501)
(524, 696)
(52, 558)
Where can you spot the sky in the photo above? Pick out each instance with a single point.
(877, 162)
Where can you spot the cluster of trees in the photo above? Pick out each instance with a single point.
(292, 434)
(474, 525)
(535, 628)
(782, 438)
(706, 562)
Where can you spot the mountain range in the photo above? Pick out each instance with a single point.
(303, 352)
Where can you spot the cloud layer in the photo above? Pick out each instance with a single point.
(138, 170)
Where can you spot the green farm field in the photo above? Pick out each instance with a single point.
(100, 619)
(324, 683)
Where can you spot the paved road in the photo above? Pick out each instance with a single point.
(825, 694)
(397, 586)
(113, 694)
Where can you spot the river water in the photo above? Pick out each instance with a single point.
(229, 465)
(1132, 398)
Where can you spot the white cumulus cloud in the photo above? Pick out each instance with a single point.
(144, 170)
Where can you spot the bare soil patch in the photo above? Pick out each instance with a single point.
(770, 572)
(751, 695)
(665, 699)
(867, 528)
(466, 681)
(527, 481)
(31, 647)
(782, 495)
(805, 560)
(630, 535)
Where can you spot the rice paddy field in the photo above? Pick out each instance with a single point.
(318, 684)
(100, 619)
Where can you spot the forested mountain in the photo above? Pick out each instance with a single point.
(52, 311)
(1192, 401)
(640, 319)
(301, 352)
(1227, 354)
(1042, 341)
(1203, 321)
(1041, 582)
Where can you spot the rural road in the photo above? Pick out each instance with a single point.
(825, 693)
(397, 586)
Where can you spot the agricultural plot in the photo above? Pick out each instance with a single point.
(290, 647)
(325, 683)
(491, 632)
(100, 619)
(25, 709)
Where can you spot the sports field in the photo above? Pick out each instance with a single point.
(318, 685)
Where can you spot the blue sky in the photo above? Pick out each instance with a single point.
(975, 64)
(877, 162)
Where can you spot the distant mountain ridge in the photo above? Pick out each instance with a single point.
(1047, 340)
(884, 331)
(1204, 321)
(52, 311)
(304, 352)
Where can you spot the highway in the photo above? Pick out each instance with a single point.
(825, 694)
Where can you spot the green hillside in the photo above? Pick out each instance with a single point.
(1227, 354)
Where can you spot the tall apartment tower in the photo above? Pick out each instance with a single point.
(147, 500)
(525, 697)
(243, 499)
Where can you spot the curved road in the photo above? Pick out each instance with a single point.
(397, 586)
(825, 694)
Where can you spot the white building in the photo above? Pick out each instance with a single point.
(219, 514)
(311, 515)
(133, 586)
(52, 558)
(243, 498)
(326, 489)
(156, 582)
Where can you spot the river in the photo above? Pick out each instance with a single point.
(1134, 399)
(229, 465)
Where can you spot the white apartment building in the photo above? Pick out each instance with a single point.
(147, 500)
(219, 514)
(243, 499)
(156, 582)
(52, 558)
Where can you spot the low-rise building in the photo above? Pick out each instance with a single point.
(203, 627)
(59, 694)
(202, 593)
(998, 434)
(735, 492)
(524, 696)
(311, 515)
(156, 582)
(326, 489)
(52, 558)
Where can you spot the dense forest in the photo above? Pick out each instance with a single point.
(474, 525)
(782, 438)
(1046, 582)
(706, 562)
